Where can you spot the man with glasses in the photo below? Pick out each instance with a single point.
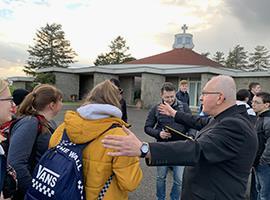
(219, 160)
(260, 104)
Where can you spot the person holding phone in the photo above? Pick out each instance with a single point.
(156, 126)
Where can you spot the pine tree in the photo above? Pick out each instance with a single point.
(51, 49)
(117, 54)
(219, 57)
(259, 59)
(237, 58)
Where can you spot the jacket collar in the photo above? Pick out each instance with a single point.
(265, 114)
(231, 111)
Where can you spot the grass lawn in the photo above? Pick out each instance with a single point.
(72, 103)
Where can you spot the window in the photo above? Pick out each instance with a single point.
(179, 40)
(187, 40)
(194, 93)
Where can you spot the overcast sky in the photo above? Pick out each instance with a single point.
(148, 26)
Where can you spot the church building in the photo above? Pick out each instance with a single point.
(144, 77)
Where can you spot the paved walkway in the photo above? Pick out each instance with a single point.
(147, 188)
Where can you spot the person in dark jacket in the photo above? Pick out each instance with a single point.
(219, 160)
(261, 104)
(122, 100)
(3, 167)
(182, 95)
(31, 133)
(253, 88)
(155, 127)
(242, 97)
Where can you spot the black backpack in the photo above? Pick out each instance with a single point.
(59, 173)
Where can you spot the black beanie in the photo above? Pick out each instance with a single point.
(19, 95)
(115, 82)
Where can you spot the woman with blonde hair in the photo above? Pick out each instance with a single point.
(5, 116)
(31, 133)
(90, 123)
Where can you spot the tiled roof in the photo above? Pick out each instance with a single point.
(177, 56)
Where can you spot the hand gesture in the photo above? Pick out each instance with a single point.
(166, 109)
(125, 145)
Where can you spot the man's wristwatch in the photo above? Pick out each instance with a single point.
(144, 149)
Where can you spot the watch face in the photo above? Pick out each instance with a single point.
(144, 148)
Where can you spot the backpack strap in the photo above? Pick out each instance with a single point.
(108, 182)
(40, 118)
(65, 136)
(105, 188)
(66, 141)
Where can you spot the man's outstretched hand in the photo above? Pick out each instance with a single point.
(124, 145)
(166, 109)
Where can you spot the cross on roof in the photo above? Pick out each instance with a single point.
(184, 28)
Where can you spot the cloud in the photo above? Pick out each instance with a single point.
(13, 52)
(90, 25)
(13, 57)
(252, 14)
(11, 71)
(5, 13)
(220, 25)
(199, 15)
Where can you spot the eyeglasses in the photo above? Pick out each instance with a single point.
(206, 93)
(7, 99)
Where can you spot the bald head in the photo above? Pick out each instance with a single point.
(226, 85)
(218, 94)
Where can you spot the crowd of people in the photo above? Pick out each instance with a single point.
(212, 155)
(28, 129)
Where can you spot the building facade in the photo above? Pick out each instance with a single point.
(144, 77)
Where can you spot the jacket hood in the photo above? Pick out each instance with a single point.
(99, 111)
(242, 103)
(91, 121)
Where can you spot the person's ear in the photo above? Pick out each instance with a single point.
(221, 98)
(52, 105)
